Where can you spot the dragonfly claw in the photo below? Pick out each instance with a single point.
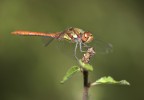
(82, 51)
(85, 45)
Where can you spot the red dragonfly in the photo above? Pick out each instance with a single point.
(75, 35)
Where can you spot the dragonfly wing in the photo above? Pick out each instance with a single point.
(47, 40)
(101, 46)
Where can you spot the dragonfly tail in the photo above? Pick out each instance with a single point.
(29, 33)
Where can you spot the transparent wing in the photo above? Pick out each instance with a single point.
(101, 46)
(47, 40)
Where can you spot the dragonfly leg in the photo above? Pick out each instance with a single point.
(80, 44)
(85, 45)
(76, 50)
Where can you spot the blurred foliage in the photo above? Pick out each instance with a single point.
(109, 80)
(70, 73)
(29, 71)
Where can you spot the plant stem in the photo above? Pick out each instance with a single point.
(86, 58)
(86, 85)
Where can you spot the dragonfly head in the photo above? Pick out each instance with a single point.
(87, 37)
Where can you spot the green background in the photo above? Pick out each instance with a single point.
(30, 71)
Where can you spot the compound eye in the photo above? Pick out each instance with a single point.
(85, 35)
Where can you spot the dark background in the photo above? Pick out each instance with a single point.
(30, 71)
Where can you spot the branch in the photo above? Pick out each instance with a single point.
(86, 58)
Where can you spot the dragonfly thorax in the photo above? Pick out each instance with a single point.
(78, 35)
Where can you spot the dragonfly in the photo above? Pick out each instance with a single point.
(75, 35)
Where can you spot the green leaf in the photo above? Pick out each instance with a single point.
(70, 72)
(109, 80)
(87, 67)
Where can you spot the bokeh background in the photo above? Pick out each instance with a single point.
(30, 71)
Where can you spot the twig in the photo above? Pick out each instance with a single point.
(86, 58)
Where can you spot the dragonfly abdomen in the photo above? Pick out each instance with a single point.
(29, 33)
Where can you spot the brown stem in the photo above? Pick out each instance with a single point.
(86, 58)
(86, 85)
